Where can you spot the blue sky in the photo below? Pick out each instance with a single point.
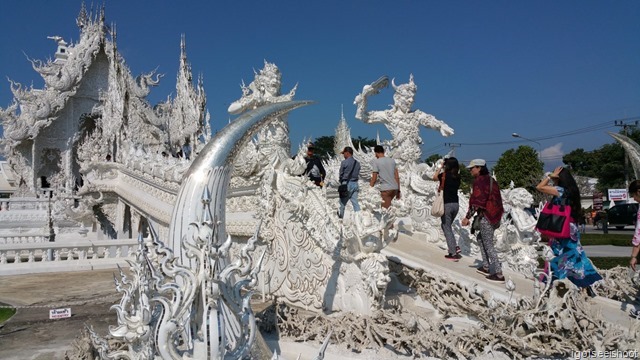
(487, 68)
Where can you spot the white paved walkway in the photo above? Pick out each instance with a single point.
(415, 252)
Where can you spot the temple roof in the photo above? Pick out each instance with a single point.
(35, 109)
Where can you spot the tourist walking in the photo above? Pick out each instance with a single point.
(315, 171)
(483, 185)
(449, 177)
(349, 174)
(570, 260)
(634, 191)
(386, 171)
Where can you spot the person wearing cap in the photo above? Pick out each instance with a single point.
(491, 266)
(386, 171)
(315, 171)
(349, 174)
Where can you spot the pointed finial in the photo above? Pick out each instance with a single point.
(81, 20)
(102, 13)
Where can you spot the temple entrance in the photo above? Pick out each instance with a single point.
(49, 169)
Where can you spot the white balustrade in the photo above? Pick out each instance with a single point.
(24, 203)
(23, 239)
(24, 258)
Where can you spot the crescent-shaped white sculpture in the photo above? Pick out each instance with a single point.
(209, 174)
(632, 149)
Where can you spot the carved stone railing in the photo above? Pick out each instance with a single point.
(23, 239)
(24, 203)
(164, 170)
(154, 196)
(80, 255)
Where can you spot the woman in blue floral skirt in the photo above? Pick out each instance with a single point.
(570, 260)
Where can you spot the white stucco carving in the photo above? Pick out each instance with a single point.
(272, 144)
(403, 122)
(193, 275)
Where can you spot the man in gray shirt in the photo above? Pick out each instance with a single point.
(349, 174)
(385, 170)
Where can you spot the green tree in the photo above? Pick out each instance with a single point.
(607, 163)
(466, 180)
(610, 168)
(363, 143)
(324, 147)
(582, 163)
(433, 158)
(522, 166)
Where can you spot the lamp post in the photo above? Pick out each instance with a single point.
(516, 135)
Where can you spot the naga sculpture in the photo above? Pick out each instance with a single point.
(632, 149)
(188, 293)
(189, 300)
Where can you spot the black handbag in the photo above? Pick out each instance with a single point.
(343, 191)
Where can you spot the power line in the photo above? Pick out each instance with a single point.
(591, 128)
(434, 149)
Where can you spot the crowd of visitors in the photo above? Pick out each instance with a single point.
(484, 213)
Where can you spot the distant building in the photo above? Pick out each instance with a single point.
(8, 180)
(587, 188)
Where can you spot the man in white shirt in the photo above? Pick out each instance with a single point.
(385, 170)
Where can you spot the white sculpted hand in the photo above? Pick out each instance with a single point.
(446, 130)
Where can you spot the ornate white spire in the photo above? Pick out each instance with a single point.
(186, 117)
(82, 18)
(343, 135)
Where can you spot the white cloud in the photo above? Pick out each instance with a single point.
(552, 156)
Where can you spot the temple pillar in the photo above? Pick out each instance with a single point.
(135, 222)
(127, 222)
(120, 233)
(68, 172)
(34, 166)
